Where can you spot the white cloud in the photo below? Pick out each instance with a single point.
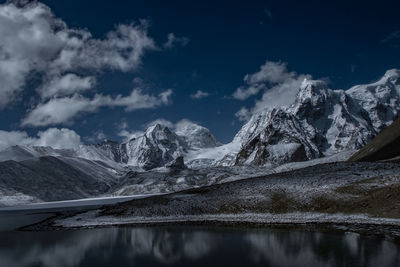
(199, 94)
(64, 110)
(13, 138)
(279, 85)
(174, 41)
(34, 43)
(242, 93)
(123, 131)
(269, 73)
(282, 94)
(273, 72)
(183, 124)
(66, 85)
(56, 138)
(243, 114)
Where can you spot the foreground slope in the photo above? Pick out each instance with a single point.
(34, 178)
(52, 179)
(385, 145)
(335, 192)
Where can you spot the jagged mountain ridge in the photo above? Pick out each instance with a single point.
(320, 122)
(157, 147)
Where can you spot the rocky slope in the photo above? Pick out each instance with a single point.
(52, 179)
(320, 122)
(360, 193)
(385, 145)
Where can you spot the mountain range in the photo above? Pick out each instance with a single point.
(320, 122)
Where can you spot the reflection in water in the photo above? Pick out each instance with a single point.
(182, 246)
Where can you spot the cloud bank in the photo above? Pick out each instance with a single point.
(63, 110)
(37, 46)
(56, 138)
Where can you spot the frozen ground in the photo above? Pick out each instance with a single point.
(343, 192)
(163, 181)
(55, 179)
(86, 202)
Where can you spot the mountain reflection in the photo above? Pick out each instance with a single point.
(158, 246)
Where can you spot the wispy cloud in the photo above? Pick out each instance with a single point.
(268, 12)
(199, 95)
(174, 41)
(392, 39)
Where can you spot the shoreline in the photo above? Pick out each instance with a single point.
(385, 228)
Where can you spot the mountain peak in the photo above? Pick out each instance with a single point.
(155, 127)
(313, 84)
(195, 136)
(392, 73)
(312, 91)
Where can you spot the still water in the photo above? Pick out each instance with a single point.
(191, 246)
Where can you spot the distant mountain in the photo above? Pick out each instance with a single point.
(320, 122)
(156, 147)
(385, 145)
(196, 136)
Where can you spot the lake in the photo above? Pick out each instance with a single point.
(187, 246)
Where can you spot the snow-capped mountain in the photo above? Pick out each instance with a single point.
(320, 122)
(156, 147)
(108, 151)
(196, 136)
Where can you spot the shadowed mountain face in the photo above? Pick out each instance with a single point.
(385, 145)
(52, 179)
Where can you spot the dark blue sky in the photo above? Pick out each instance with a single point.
(228, 39)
